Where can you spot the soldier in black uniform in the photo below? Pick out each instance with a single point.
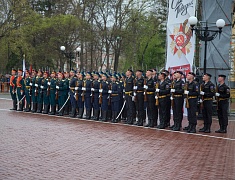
(27, 91)
(13, 88)
(150, 93)
(222, 97)
(95, 90)
(168, 104)
(129, 84)
(164, 92)
(207, 91)
(67, 105)
(177, 92)
(72, 86)
(88, 95)
(191, 92)
(139, 96)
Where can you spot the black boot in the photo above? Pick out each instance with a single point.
(161, 125)
(61, 113)
(95, 115)
(66, 109)
(104, 116)
(192, 129)
(186, 128)
(27, 109)
(80, 113)
(112, 120)
(208, 129)
(176, 126)
(34, 108)
(46, 109)
(73, 112)
(20, 106)
(88, 114)
(203, 129)
(140, 122)
(109, 115)
(39, 108)
(53, 108)
(14, 105)
(115, 120)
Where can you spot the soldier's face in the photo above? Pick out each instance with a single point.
(220, 79)
(13, 73)
(66, 75)
(104, 78)
(148, 73)
(190, 77)
(52, 75)
(27, 74)
(88, 77)
(19, 73)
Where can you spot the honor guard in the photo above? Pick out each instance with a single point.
(222, 98)
(39, 91)
(191, 92)
(20, 90)
(81, 94)
(129, 84)
(66, 82)
(207, 91)
(88, 95)
(122, 82)
(104, 88)
(139, 83)
(115, 97)
(163, 92)
(27, 90)
(52, 92)
(45, 95)
(72, 92)
(177, 99)
(60, 87)
(150, 97)
(95, 96)
(13, 79)
(34, 90)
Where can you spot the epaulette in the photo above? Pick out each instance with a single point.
(107, 82)
(98, 80)
(117, 82)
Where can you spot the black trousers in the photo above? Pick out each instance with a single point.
(151, 109)
(163, 110)
(207, 112)
(223, 113)
(140, 105)
(192, 116)
(178, 109)
(129, 107)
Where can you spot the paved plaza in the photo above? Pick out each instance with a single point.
(37, 146)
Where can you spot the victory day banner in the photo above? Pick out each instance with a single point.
(180, 40)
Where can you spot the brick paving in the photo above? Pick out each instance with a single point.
(36, 146)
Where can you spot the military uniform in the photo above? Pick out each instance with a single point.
(13, 91)
(61, 95)
(96, 105)
(104, 106)
(72, 86)
(192, 99)
(81, 95)
(45, 95)
(129, 84)
(39, 94)
(88, 97)
(163, 98)
(207, 111)
(27, 91)
(178, 102)
(52, 95)
(66, 107)
(168, 105)
(223, 105)
(115, 99)
(34, 93)
(20, 91)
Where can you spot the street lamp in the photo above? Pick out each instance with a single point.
(204, 34)
(69, 55)
(78, 50)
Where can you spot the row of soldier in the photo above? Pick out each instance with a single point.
(128, 95)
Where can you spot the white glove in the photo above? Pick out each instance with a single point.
(30, 84)
(133, 98)
(83, 88)
(76, 88)
(171, 98)
(135, 87)
(100, 90)
(57, 87)
(217, 94)
(200, 100)
(134, 94)
(21, 93)
(123, 90)
(36, 85)
(172, 90)
(186, 92)
(92, 89)
(156, 97)
(157, 90)
(110, 91)
(202, 93)
(41, 87)
(145, 87)
(49, 83)
(123, 96)
(35, 90)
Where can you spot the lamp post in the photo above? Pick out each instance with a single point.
(204, 33)
(69, 55)
(78, 50)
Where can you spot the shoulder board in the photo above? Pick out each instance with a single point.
(63, 80)
(117, 82)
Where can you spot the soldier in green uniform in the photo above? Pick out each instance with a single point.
(61, 93)
(66, 82)
(20, 89)
(52, 95)
(44, 88)
(13, 89)
(34, 90)
(39, 91)
(27, 90)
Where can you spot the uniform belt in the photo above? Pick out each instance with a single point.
(128, 93)
(19, 86)
(191, 97)
(221, 99)
(72, 88)
(178, 95)
(114, 94)
(207, 99)
(162, 96)
(149, 92)
(28, 87)
(139, 91)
